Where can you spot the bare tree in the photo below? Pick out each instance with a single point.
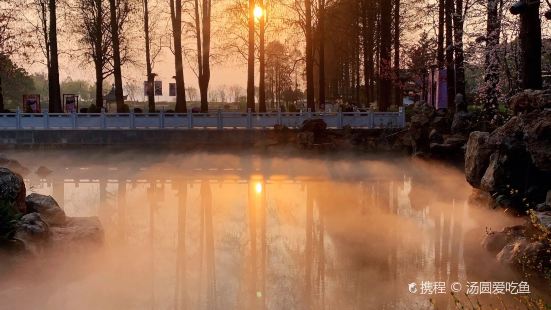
(203, 36)
(491, 77)
(262, 60)
(176, 20)
(250, 59)
(385, 61)
(54, 91)
(93, 27)
(148, 59)
(114, 9)
(309, 55)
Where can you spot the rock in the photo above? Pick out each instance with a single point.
(479, 198)
(530, 100)
(436, 137)
(313, 125)
(43, 172)
(441, 123)
(495, 241)
(511, 253)
(33, 232)
(457, 141)
(12, 189)
(542, 220)
(494, 178)
(419, 126)
(477, 157)
(461, 122)
(13, 165)
(509, 136)
(47, 207)
(537, 138)
(541, 207)
(548, 198)
(79, 230)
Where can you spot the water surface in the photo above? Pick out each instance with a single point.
(200, 231)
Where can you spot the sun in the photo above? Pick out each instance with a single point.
(258, 12)
(258, 187)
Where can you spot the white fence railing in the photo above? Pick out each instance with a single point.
(217, 120)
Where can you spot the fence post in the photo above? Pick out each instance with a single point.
(162, 119)
(220, 120)
(189, 119)
(74, 119)
(103, 120)
(340, 120)
(401, 117)
(371, 117)
(249, 119)
(279, 121)
(18, 119)
(46, 120)
(132, 120)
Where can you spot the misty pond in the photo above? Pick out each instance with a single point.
(214, 231)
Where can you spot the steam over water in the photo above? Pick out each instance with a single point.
(200, 231)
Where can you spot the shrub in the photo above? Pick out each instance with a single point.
(8, 220)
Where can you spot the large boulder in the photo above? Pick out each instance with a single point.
(33, 232)
(462, 122)
(313, 125)
(542, 220)
(530, 100)
(13, 165)
(509, 136)
(537, 138)
(495, 241)
(477, 157)
(78, 230)
(495, 176)
(521, 251)
(47, 207)
(419, 127)
(12, 189)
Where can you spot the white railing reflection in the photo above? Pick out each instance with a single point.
(214, 120)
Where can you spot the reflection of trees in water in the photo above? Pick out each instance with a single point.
(354, 252)
(180, 287)
(207, 247)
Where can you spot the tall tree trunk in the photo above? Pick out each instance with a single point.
(397, 82)
(117, 72)
(440, 48)
(309, 53)
(369, 15)
(385, 84)
(203, 50)
(459, 53)
(530, 45)
(321, 30)
(2, 108)
(491, 77)
(176, 19)
(205, 77)
(98, 49)
(449, 54)
(53, 76)
(250, 60)
(262, 61)
(148, 61)
(99, 85)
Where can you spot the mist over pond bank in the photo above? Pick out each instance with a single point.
(348, 233)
